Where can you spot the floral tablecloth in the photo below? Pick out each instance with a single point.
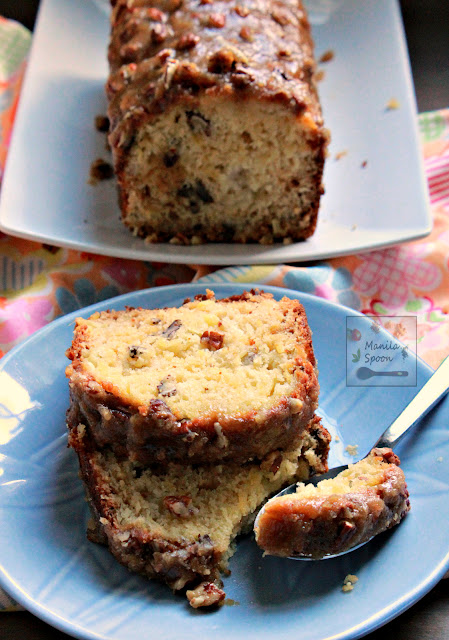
(39, 283)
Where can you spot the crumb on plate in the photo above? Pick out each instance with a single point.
(352, 449)
(349, 582)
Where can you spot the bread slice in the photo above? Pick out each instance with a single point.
(178, 524)
(338, 514)
(211, 381)
(216, 128)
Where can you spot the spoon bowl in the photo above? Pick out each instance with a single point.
(430, 394)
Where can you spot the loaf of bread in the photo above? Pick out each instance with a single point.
(210, 381)
(215, 125)
(178, 524)
(338, 514)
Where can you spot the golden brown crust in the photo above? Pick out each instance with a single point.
(153, 433)
(331, 524)
(146, 37)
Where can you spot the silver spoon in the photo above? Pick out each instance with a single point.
(429, 395)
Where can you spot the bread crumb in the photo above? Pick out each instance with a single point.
(100, 170)
(354, 227)
(352, 449)
(349, 582)
(340, 155)
(320, 75)
(102, 123)
(440, 459)
(364, 163)
(327, 56)
(392, 104)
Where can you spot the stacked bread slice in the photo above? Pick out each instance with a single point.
(185, 421)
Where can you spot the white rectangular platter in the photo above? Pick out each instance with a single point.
(376, 193)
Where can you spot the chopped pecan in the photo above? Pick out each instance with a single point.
(281, 17)
(180, 506)
(187, 41)
(159, 33)
(246, 34)
(164, 54)
(155, 14)
(216, 20)
(241, 77)
(167, 387)
(205, 595)
(198, 123)
(241, 11)
(221, 61)
(170, 331)
(212, 340)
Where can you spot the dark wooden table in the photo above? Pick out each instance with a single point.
(427, 29)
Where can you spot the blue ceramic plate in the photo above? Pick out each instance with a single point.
(47, 564)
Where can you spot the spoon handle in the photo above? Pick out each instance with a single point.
(390, 373)
(422, 403)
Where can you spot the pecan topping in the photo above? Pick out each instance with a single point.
(166, 387)
(281, 17)
(180, 506)
(170, 331)
(246, 34)
(187, 41)
(159, 33)
(241, 11)
(173, 5)
(221, 61)
(241, 77)
(212, 340)
(216, 20)
(164, 54)
(155, 14)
